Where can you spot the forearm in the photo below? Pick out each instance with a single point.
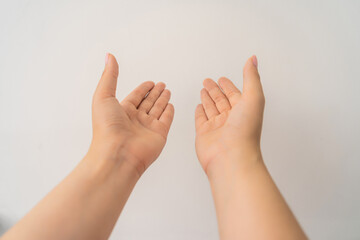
(247, 201)
(85, 205)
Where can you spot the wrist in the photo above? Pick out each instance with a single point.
(234, 162)
(111, 159)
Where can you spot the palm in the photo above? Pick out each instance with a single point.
(145, 134)
(211, 137)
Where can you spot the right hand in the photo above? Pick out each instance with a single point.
(228, 122)
(134, 130)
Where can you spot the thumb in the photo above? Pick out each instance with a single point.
(107, 84)
(251, 82)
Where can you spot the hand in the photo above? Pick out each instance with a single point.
(229, 122)
(135, 129)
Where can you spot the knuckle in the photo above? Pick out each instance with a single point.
(218, 98)
(232, 94)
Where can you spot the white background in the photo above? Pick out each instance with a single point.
(52, 55)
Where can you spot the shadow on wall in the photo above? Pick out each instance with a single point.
(4, 225)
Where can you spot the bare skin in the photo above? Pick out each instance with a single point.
(129, 135)
(228, 130)
(127, 138)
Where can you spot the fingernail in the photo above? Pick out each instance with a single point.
(106, 58)
(255, 61)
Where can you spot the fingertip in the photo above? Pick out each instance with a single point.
(167, 91)
(207, 81)
(199, 106)
(161, 84)
(203, 91)
(254, 60)
(106, 58)
(171, 106)
(111, 65)
(222, 80)
(167, 116)
(110, 59)
(251, 63)
(149, 83)
(171, 111)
